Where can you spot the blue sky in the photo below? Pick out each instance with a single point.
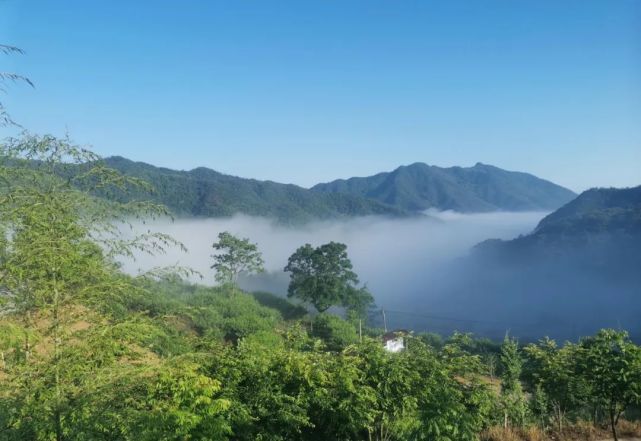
(309, 91)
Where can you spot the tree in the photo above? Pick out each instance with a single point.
(554, 378)
(358, 301)
(323, 276)
(512, 397)
(5, 77)
(335, 332)
(236, 256)
(611, 364)
(59, 256)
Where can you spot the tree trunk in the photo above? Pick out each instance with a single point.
(613, 425)
(559, 416)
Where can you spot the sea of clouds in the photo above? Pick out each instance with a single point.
(396, 258)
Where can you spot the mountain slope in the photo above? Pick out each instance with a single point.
(205, 192)
(579, 270)
(480, 188)
(406, 190)
(596, 210)
(601, 214)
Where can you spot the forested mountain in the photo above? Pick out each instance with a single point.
(205, 192)
(597, 216)
(407, 190)
(480, 188)
(90, 353)
(596, 210)
(580, 268)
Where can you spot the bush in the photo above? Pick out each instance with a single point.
(334, 331)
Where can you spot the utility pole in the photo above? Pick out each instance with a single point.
(360, 332)
(384, 320)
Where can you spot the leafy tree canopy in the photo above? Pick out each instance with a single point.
(235, 257)
(323, 276)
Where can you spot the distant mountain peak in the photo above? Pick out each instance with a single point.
(408, 189)
(481, 188)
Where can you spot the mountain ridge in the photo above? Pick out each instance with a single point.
(406, 191)
(206, 192)
(482, 187)
(594, 212)
(579, 264)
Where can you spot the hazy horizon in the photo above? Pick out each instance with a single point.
(389, 255)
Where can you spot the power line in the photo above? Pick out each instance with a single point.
(461, 320)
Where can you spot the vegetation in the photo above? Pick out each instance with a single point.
(512, 398)
(89, 353)
(595, 211)
(205, 192)
(419, 186)
(407, 190)
(6, 77)
(323, 276)
(235, 257)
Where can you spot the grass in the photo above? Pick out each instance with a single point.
(580, 431)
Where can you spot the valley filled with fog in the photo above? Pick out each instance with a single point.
(398, 259)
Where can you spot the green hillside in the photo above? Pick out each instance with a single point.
(205, 192)
(480, 188)
(597, 210)
(407, 190)
(602, 227)
(90, 353)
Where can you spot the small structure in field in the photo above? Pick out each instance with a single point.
(394, 341)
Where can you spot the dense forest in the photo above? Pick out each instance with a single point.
(205, 192)
(90, 353)
(407, 191)
(480, 188)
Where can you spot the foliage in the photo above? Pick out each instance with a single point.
(553, 375)
(52, 260)
(205, 192)
(229, 315)
(612, 363)
(512, 397)
(288, 310)
(235, 257)
(596, 210)
(419, 186)
(334, 331)
(323, 276)
(89, 353)
(5, 77)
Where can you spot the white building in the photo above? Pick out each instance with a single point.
(394, 341)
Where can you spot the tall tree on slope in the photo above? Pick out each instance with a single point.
(235, 257)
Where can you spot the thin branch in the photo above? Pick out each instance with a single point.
(7, 49)
(8, 76)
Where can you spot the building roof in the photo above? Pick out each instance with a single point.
(393, 335)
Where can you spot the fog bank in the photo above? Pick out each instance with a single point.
(396, 258)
